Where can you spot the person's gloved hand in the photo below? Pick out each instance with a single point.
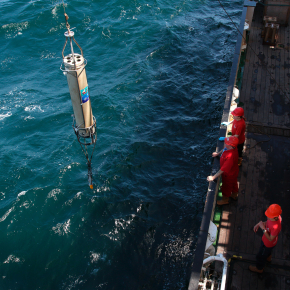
(225, 123)
(222, 138)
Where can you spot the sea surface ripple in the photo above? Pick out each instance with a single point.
(157, 73)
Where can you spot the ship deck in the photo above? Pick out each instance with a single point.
(264, 174)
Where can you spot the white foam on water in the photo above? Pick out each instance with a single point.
(77, 281)
(3, 116)
(21, 193)
(101, 189)
(4, 217)
(120, 225)
(48, 55)
(95, 257)
(54, 11)
(53, 193)
(14, 29)
(77, 196)
(13, 259)
(62, 228)
(28, 118)
(33, 108)
(26, 204)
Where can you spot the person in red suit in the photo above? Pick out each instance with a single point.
(238, 130)
(271, 229)
(229, 170)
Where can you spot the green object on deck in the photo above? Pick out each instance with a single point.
(217, 217)
(217, 214)
(216, 238)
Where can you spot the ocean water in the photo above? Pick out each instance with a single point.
(157, 73)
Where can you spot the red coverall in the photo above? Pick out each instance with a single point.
(230, 168)
(273, 228)
(239, 128)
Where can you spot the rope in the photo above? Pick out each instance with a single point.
(93, 150)
(90, 173)
(66, 17)
(85, 152)
(262, 62)
(63, 7)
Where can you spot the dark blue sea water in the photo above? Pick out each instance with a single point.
(157, 73)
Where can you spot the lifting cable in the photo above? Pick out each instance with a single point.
(63, 7)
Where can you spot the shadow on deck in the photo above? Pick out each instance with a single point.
(265, 173)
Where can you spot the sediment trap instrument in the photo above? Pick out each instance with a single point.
(84, 123)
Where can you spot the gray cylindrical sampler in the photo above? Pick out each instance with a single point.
(79, 92)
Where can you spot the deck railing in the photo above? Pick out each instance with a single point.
(213, 186)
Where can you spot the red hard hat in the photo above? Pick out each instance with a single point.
(273, 210)
(232, 141)
(238, 112)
